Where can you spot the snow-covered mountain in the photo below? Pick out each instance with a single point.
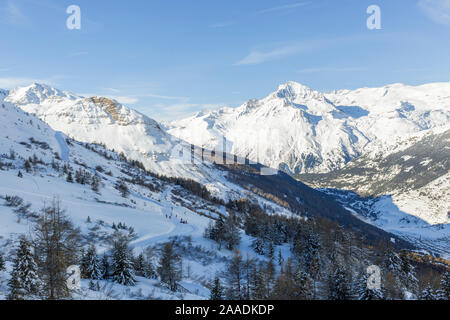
(300, 130)
(402, 186)
(414, 171)
(159, 209)
(292, 120)
(105, 121)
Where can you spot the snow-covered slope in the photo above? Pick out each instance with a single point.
(414, 171)
(158, 210)
(105, 121)
(301, 130)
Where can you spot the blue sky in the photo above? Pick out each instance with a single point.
(169, 59)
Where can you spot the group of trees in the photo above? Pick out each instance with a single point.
(326, 261)
(224, 232)
(82, 176)
(39, 263)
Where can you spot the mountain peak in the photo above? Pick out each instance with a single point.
(292, 90)
(36, 93)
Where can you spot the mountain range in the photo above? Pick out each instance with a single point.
(377, 157)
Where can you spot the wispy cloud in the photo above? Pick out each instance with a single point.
(157, 96)
(12, 82)
(169, 112)
(279, 51)
(330, 70)
(125, 99)
(436, 10)
(283, 7)
(260, 56)
(12, 14)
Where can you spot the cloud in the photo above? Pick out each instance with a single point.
(121, 99)
(163, 97)
(11, 14)
(125, 100)
(164, 112)
(294, 48)
(330, 69)
(436, 10)
(283, 8)
(112, 90)
(258, 56)
(11, 83)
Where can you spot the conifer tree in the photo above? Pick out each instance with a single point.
(231, 234)
(292, 283)
(95, 183)
(24, 282)
(2, 262)
(444, 291)
(139, 265)
(57, 247)
(259, 288)
(122, 263)
(364, 292)
(217, 290)
(338, 285)
(234, 276)
(27, 166)
(106, 268)
(169, 269)
(428, 293)
(91, 265)
(408, 274)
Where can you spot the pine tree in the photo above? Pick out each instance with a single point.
(122, 263)
(234, 276)
(169, 269)
(364, 292)
(408, 274)
(27, 166)
(259, 288)
(123, 189)
(91, 265)
(428, 293)
(280, 258)
(444, 291)
(338, 285)
(139, 265)
(95, 183)
(292, 283)
(24, 282)
(231, 234)
(69, 177)
(57, 247)
(217, 290)
(2, 262)
(258, 246)
(106, 268)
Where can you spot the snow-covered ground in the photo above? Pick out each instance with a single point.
(155, 215)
